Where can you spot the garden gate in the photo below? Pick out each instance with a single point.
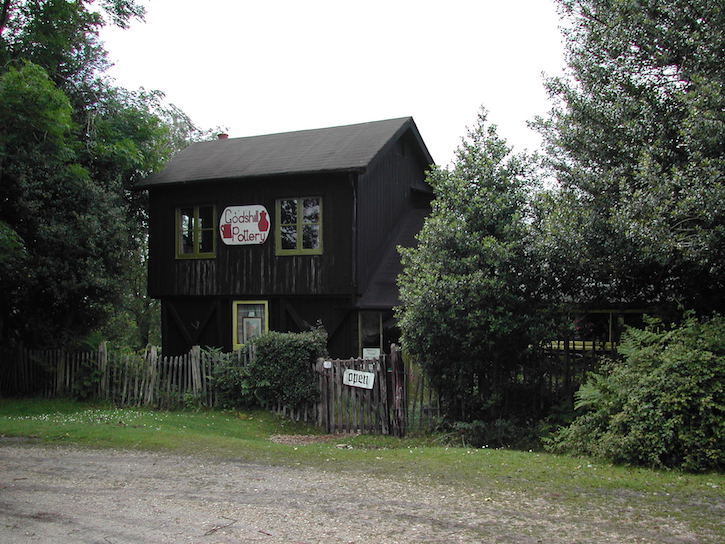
(362, 395)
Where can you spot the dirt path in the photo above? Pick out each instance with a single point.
(64, 495)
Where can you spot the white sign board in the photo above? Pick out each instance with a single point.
(244, 225)
(356, 378)
(371, 353)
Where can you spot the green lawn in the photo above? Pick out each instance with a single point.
(580, 484)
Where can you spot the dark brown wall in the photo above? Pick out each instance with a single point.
(253, 270)
(384, 196)
(197, 294)
(207, 321)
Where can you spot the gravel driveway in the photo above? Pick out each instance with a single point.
(71, 495)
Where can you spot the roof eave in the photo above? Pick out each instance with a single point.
(142, 185)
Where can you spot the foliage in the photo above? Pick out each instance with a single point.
(635, 140)
(282, 369)
(87, 378)
(230, 379)
(71, 148)
(663, 405)
(470, 289)
(72, 229)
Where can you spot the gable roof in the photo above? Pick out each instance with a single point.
(333, 149)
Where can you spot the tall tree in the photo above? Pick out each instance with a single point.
(72, 145)
(636, 141)
(469, 290)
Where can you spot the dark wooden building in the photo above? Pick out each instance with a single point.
(285, 231)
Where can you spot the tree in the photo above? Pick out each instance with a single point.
(635, 140)
(71, 148)
(469, 290)
(73, 231)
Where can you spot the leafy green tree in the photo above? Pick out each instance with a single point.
(635, 140)
(74, 232)
(71, 148)
(469, 290)
(62, 37)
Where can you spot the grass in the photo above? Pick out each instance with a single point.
(580, 484)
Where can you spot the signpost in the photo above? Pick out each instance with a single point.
(357, 378)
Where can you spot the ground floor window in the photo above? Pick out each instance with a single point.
(250, 319)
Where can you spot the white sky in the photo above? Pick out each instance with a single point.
(265, 66)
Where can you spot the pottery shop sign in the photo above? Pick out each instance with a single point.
(244, 225)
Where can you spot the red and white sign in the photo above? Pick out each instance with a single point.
(244, 225)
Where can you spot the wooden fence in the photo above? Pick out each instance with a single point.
(398, 400)
(342, 408)
(149, 379)
(401, 399)
(125, 379)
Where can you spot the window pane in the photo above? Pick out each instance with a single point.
(186, 225)
(206, 241)
(310, 236)
(288, 237)
(288, 209)
(311, 210)
(206, 217)
(250, 322)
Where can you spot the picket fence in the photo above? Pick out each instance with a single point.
(151, 380)
(125, 379)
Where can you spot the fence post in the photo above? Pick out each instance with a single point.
(399, 400)
(103, 368)
(196, 370)
(151, 372)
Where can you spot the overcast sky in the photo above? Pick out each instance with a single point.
(265, 66)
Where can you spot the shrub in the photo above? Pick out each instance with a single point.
(282, 367)
(230, 379)
(660, 406)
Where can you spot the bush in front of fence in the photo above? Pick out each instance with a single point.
(662, 405)
(277, 370)
(281, 371)
(229, 378)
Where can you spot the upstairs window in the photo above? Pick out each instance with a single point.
(299, 226)
(195, 232)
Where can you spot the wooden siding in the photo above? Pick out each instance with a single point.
(384, 196)
(187, 321)
(253, 270)
(360, 219)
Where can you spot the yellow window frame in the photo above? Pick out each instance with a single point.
(196, 233)
(236, 345)
(299, 226)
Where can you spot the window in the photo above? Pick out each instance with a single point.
(195, 232)
(250, 318)
(299, 226)
(370, 334)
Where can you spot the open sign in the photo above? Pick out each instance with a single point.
(356, 378)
